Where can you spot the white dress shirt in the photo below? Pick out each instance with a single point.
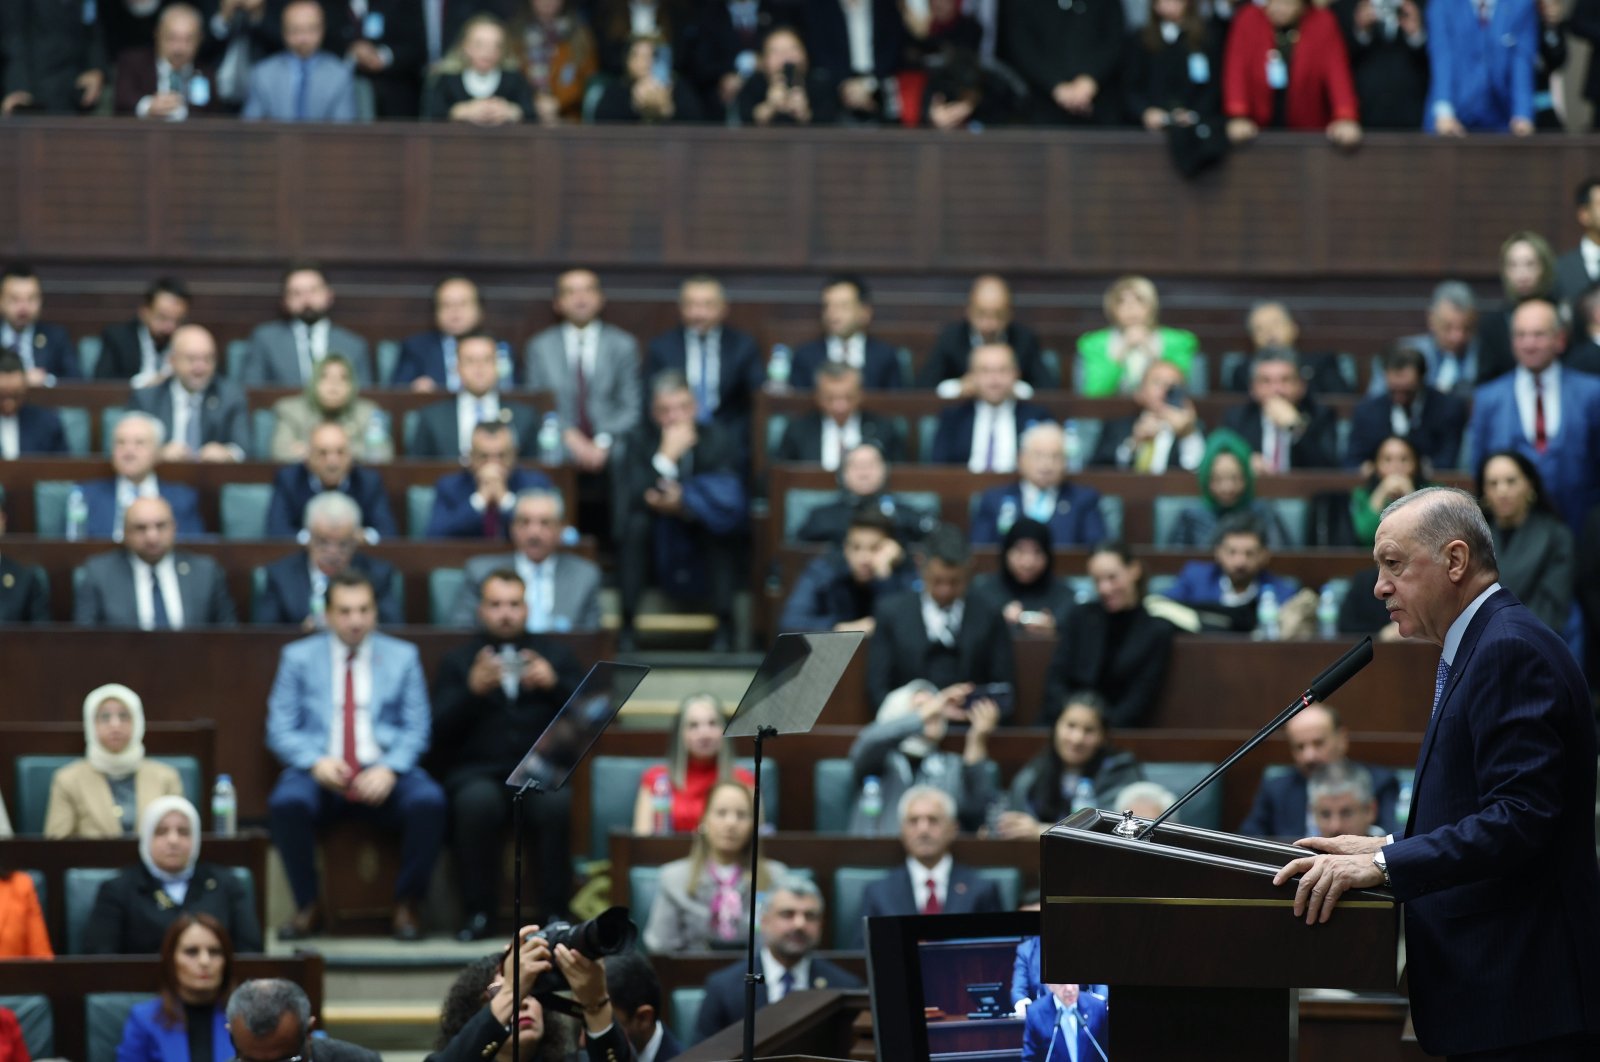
(167, 578)
(540, 580)
(582, 343)
(367, 750)
(184, 404)
(1523, 388)
(939, 872)
(652, 1046)
(310, 344)
(472, 411)
(10, 438)
(642, 18)
(1001, 422)
(150, 357)
(851, 351)
(837, 439)
(711, 344)
(480, 86)
(127, 492)
(858, 27)
(1276, 443)
(1591, 257)
(773, 971)
(942, 625)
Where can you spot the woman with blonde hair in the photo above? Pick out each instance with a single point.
(479, 81)
(698, 757)
(331, 394)
(1112, 360)
(103, 794)
(1527, 271)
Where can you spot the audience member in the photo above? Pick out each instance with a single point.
(477, 502)
(1025, 586)
(1070, 1016)
(789, 915)
(1579, 269)
(330, 397)
(680, 506)
(648, 93)
(1286, 68)
(592, 366)
(635, 993)
(103, 794)
(1342, 802)
(444, 429)
(616, 23)
(204, 415)
(943, 634)
(722, 364)
(930, 881)
(1548, 63)
(1231, 584)
(1450, 348)
(136, 351)
(1527, 271)
(168, 82)
(384, 43)
(492, 698)
(1078, 767)
(239, 34)
(900, 750)
(479, 82)
(295, 589)
(1042, 493)
(838, 424)
(149, 585)
(25, 429)
(287, 352)
(1227, 485)
(329, 466)
(721, 50)
(859, 42)
(22, 930)
(559, 57)
(24, 588)
(698, 759)
(1166, 433)
(1147, 800)
(1432, 421)
(302, 83)
(1285, 428)
(46, 351)
(840, 590)
(1271, 326)
(563, 589)
(1317, 738)
(703, 900)
(784, 89)
(846, 315)
(271, 1018)
(54, 57)
(427, 360)
(984, 432)
(1113, 360)
(133, 911)
(864, 480)
(1583, 354)
(444, 20)
(988, 321)
(360, 760)
(1172, 68)
(186, 1022)
(1388, 49)
(1069, 57)
(1532, 545)
(136, 446)
(1111, 644)
(1397, 470)
(1482, 62)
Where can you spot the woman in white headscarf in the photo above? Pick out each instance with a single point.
(103, 794)
(133, 910)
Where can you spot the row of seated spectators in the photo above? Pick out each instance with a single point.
(948, 64)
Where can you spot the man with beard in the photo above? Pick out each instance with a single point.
(136, 350)
(282, 353)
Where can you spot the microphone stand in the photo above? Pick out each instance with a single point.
(751, 977)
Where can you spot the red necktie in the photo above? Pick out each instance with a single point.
(491, 520)
(350, 757)
(932, 906)
(1541, 442)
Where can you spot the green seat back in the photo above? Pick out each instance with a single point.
(41, 892)
(50, 507)
(258, 587)
(1292, 511)
(89, 349)
(1205, 810)
(1111, 513)
(1008, 880)
(849, 885)
(81, 886)
(1199, 376)
(408, 430)
(1164, 513)
(388, 351)
(33, 786)
(108, 424)
(833, 795)
(777, 424)
(236, 352)
(444, 584)
(908, 369)
(244, 510)
(37, 1021)
(419, 506)
(927, 427)
(75, 425)
(1051, 361)
(263, 425)
(685, 1015)
(614, 786)
(642, 883)
(798, 504)
(104, 1016)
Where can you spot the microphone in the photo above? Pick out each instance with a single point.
(1083, 1023)
(1322, 687)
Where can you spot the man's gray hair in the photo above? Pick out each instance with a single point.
(667, 381)
(1454, 293)
(1268, 355)
(1041, 427)
(136, 416)
(1337, 779)
(947, 803)
(790, 883)
(1450, 513)
(542, 494)
(262, 1003)
(1134, 792)
(333, 507)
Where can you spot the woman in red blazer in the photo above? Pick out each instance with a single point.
(1288, 45)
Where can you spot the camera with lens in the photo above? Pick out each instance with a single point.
(611, 932)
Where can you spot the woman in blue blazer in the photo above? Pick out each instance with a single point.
(186, 1023)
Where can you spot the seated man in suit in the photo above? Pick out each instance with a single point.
(282, 353)
(168, 83)
(1450, 349)
(427, 360)
(136, 350)
(149, 585)
(204, 415)
(24, 597)
(46, 350)
(1317, 738)
(988, 320)
(1166, 434)
(864, 479)
(840, 591)
(635, 993)
(493, 696)
(477, 501)
(593, 369)
(838, 423)
(444, 429)
(329, 466)
(1583, 350)
(983, 432)
(135, 450)
(722, 364)
(790, 917)
(358, 758)
(1342, 801)
(302, 83)
(297, 585)
(1271, 326)
(1285, 427)
(846, 315)
(563, 588)
(943, 633)
(1069, 1023)
(1230, 585)
(25, 429)
(1406, 406)
(1041, 493)
(930, 881)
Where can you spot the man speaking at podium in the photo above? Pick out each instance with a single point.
(1496, 865)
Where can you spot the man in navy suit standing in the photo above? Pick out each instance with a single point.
(985, 432)
(846, 315)
(1068, 1025)
(24, 429)
(1496, 864)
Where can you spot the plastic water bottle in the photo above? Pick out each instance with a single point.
(1083, 794)
(661, 805)
(1072, 445)
(871, 801)
(550, 440)
(778, 367)
(1007, 517)
(1327, 613)
(502, 362)
(377, 436)
(77, 516)
(224, 807)
(1267, 615)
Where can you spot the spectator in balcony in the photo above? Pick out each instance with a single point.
(148, 585)
(25, 429)
(1068, 55)
(1527, 271)
(1286, 68)
(988, 320)
(1482, 59)
(329, 466)
(840, 590)
(559, 57)
(168, 83)
(1042, 493)
(1230, 585)
(846, 316)
(135, 450)
(303, 83)
(46, 350)
(186, 1022)
(858, 42)
(444, 429)
(722, 363)
(964, 92)
(331, 397)
(984, 433)
(648, 93)
(24, 596)
(698, 759)
(136, 351)
(563, 589)
(1531, 543)
(54, 55)
(203, 415)
(102, 795)
(864, 481)
(721, 50)
(785, 90)
(297, 585)
(1227, 485)
(1583, 351)
(617, 22)
(838, 425)
(1450, 346)
(1430, 421)
(1172, 75)
(1551, 59)
(285, 352)
(1579, 268)
(1165, 435)
(384, 42)
(1388, 47)
(1025, 586)
(477, 502)
(22, 930)
(1272, 326)
(238, 34)
(1113, 359)
(1047, 788)
(479, 82)
(1286, 428)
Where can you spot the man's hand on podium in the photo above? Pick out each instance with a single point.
(1345, 864)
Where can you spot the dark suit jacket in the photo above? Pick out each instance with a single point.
(714, 451)
(952, 350)
(828, 523)
(1075, 522)
(1498, 855)
(1436, 434)
(709, 47)
(1164, 79)
(1279, 809)
(100, 498)
(293, 487)
(286, 598)
(1572, 279)
(55, 353)
(423, 355)
(616, 104)
(1122, 658)
(45, 45)
(1583, 20)
(892, 894)
(740, 372)
(106, 596)
(1051, 43)
(1043, 1039)
(438, 435)
(822, 93)
(899, 650)
(826, 594)
(723, 1003)
(401, 29)
(880, 371)
(952, 440)
(1317, 446)
(482, 1036)
(453, 515)
(1391, 76)
(489, 734)
(120, 355)
(136, 79)
(802, 438)
(39, 431)
(327, 1049)
(828, 40)
(447, 90)
(224, 417)
(1583, 355)
(1536, 564)
(128, 918)
(670, 1047)
(22, 593)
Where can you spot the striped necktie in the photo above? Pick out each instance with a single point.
(1441, 677)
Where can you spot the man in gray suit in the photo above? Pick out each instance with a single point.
(592, 367)
(563, 590)
(147, 584)
(304, 83)
(205, 416)
(283, 353)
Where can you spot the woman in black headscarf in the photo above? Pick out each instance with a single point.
(1025, 587)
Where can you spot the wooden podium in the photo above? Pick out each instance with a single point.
(1202, 953)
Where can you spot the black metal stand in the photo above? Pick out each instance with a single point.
(516, 919)
(751, 978)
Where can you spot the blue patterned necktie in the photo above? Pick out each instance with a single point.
(1441, 677)
(159, 620)
(786, 983)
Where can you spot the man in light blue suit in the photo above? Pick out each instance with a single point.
(303, 83)
(348, 717)
(1545, 411)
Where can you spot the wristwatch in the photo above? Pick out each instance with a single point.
(1382, 864)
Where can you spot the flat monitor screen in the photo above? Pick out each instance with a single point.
(577, 726)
